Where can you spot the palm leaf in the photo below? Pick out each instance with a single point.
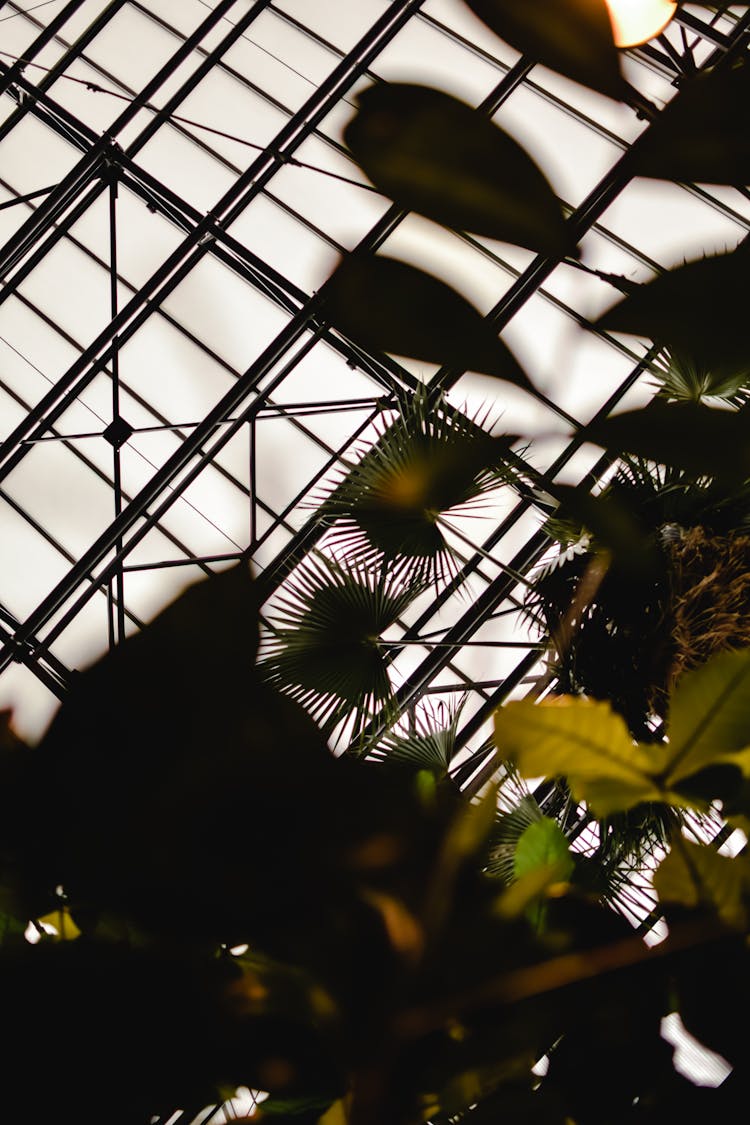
(432, 743)
(323, 648)
(430, 460)
(682, 378)
(506, 832)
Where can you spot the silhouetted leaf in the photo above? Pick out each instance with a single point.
(573, 37)
(153, 758)
(430, 460)
(430, 745)
(706, 441)
(702, 135)
(694, 875)
(386, 305)
(700, 307)
(614, 525)
(436, 155)
(324, 648)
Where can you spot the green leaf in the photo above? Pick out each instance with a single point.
(693, 875)
(543, 845)
(702, 135)
(709, 716)
(385, 305)
(701, 439)
(699, 307)
(573, 37)
(586, 742)
(433, 154)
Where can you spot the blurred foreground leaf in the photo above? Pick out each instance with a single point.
(385, 305)
(700, 307)
(582, 740)
(701, 439)
(433, 154)
(585, 741)
(614, 525)
(543, 844)
(573, 37)
(702, 134)
(695, 875)
(709, 715)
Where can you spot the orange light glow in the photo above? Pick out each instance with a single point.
(637, 21)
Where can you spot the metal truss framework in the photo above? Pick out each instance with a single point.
(109, 165)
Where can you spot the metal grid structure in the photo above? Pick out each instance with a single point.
(173, 192)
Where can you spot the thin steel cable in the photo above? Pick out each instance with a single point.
(96, 88)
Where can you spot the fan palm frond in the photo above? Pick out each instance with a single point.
(682, 378)
(432, 743)
(323, 642)
(430, 460)
(506, 832)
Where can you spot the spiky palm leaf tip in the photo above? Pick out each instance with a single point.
(323, 642)
(430, 745)
(682, 378)
(430, 460)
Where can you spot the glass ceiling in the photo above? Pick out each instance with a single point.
(173, 190)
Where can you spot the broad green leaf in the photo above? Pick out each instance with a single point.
(586, 742)
(433, 154)
(543, 844)
(690, 436)
(386, 305)
(702, 135)
(709, 716)
(699, 307)
(693, 875)
(573, 37)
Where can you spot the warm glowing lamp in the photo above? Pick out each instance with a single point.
(636, 21)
